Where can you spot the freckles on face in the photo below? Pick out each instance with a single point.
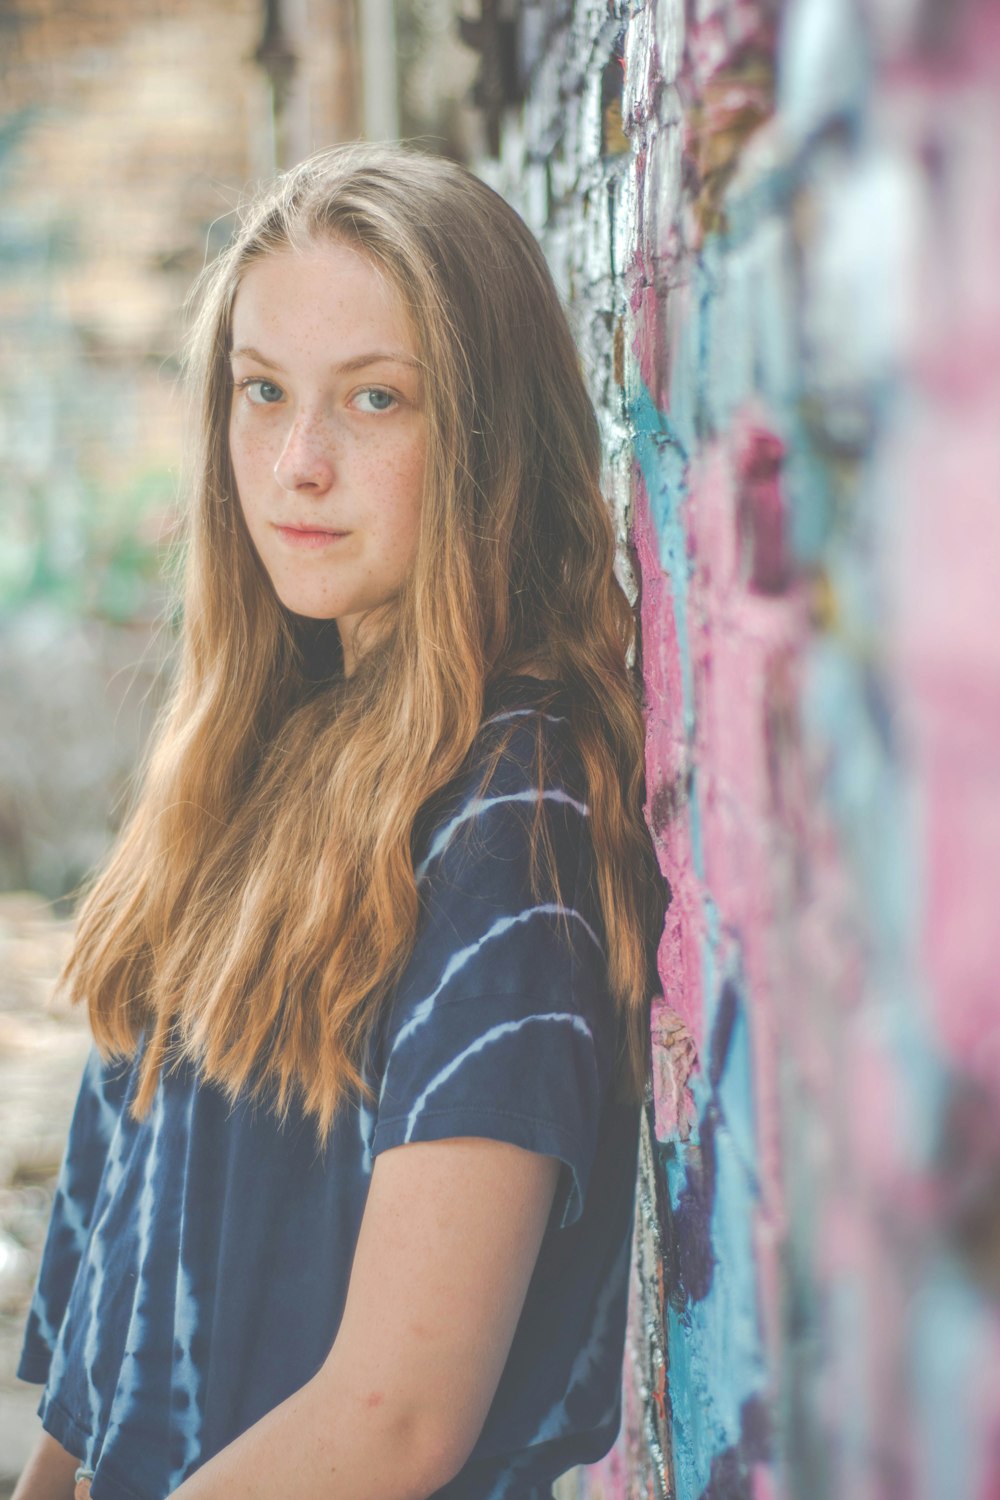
(327, 432)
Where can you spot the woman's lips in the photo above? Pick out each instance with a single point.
(303, 536)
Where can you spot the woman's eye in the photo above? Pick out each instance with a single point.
(261, 392)
(375, 399)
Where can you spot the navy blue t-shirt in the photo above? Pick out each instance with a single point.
(196, 1264)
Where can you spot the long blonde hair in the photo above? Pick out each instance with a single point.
(261, 900)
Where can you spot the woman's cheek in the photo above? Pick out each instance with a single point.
(252, 456)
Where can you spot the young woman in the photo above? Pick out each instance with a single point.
(346, 1206)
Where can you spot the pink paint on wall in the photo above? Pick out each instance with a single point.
(667, 767)
(942, 479)
(808, 335)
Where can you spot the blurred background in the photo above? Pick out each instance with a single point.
(775, 225)
(128, 132)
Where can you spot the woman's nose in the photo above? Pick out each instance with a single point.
(306, 460)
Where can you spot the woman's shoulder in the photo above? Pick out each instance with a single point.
(521, 693)
(522, 765)
(526, 748)
(527, 728)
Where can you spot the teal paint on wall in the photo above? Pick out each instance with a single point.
(796, 293)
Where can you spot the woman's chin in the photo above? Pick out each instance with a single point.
(304, 612)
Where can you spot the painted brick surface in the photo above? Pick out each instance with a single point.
(775, 225)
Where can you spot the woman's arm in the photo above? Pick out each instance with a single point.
(448, 1242)
(48, 1474)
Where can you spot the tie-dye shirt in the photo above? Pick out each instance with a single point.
(196, 1263)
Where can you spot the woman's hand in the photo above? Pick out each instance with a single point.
(48, 1474)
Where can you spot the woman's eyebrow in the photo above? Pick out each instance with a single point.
(379, 356)
(250, 352)
(345, 367)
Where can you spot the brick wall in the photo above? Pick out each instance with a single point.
(775, 225)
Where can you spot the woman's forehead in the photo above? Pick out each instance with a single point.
(297, 300)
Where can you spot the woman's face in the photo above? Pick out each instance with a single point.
(327, 431)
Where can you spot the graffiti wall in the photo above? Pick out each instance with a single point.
(775, 225)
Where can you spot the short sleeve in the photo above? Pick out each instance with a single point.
(502, 1024)
(95, 1118)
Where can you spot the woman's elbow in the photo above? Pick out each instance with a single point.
(433, 1448)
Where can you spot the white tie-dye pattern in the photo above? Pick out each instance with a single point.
(47, 1330)
(507, 1482)
(553, 1424)
(366, 1127)
(114, 1171)
(367, 1119)
(446, 967)
(524, 713)
(502, 1486)
(108, 1113)
(458, 960)
(479, 805)
(74, 1213)
(185, 1376)
(144, 1219)
(503, 1028)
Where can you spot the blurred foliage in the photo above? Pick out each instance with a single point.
(107, 559)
